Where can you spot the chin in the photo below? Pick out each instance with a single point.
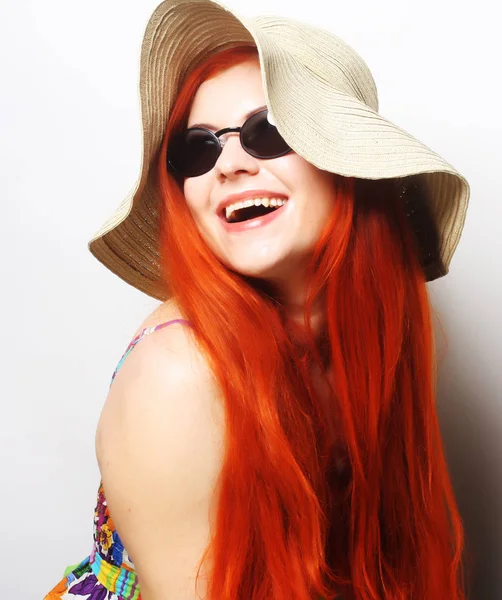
(269, 274)
(252, 271)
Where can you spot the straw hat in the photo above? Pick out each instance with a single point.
(323, 100)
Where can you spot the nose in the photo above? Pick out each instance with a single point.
(234, 160)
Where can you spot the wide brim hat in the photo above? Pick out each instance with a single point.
(323, 100)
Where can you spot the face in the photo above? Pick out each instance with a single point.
(278, 249)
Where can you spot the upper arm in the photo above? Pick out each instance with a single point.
(159, 448)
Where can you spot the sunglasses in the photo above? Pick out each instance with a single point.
(194, 151)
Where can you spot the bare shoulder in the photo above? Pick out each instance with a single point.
(176, 342)
(166, 363)
(166, 311)
(164, 388)
(160, 449)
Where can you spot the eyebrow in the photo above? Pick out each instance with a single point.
(212, 127)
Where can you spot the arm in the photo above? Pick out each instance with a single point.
(159, 449)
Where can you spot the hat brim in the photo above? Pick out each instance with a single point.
(325, 118)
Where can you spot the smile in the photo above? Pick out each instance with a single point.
(265, 215)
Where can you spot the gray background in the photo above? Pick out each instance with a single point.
(70, 151)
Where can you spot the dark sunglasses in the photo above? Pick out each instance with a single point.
(194, 151)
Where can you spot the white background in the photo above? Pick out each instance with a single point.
(70, 151)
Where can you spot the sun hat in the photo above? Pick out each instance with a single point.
(323, 100)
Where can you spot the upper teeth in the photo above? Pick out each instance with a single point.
(256, 201)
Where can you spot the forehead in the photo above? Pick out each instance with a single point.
(227, 98)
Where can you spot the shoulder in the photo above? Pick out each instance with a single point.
(159, 446)
(163, 367)
(166, 311)
(173, 349)
(164, 404)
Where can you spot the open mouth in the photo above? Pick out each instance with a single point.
(248, 213)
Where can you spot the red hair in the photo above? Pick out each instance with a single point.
(289, 525)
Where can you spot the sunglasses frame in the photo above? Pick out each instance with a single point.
(216, 135)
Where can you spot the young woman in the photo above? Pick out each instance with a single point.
(271, 433)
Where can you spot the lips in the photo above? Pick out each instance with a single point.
(251, 224)
(246, 195)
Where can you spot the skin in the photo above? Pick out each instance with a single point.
(278, 251)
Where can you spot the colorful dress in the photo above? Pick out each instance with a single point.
(108, 573)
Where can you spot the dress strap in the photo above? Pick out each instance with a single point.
(145, 331)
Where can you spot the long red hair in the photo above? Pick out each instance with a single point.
(289, 524)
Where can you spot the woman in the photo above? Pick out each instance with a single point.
(274, 435)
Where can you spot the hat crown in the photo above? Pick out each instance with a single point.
(325, 55)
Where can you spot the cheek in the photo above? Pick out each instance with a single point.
(299, 174)
(323, 184)
(189, 191)
(291, 169)
(194, 191)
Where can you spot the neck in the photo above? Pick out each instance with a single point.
(298, 334)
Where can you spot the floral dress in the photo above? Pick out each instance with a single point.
(108, 573)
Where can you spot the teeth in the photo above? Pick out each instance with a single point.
(256, 202)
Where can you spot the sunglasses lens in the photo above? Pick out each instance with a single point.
(261, 139)
(193, 152)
